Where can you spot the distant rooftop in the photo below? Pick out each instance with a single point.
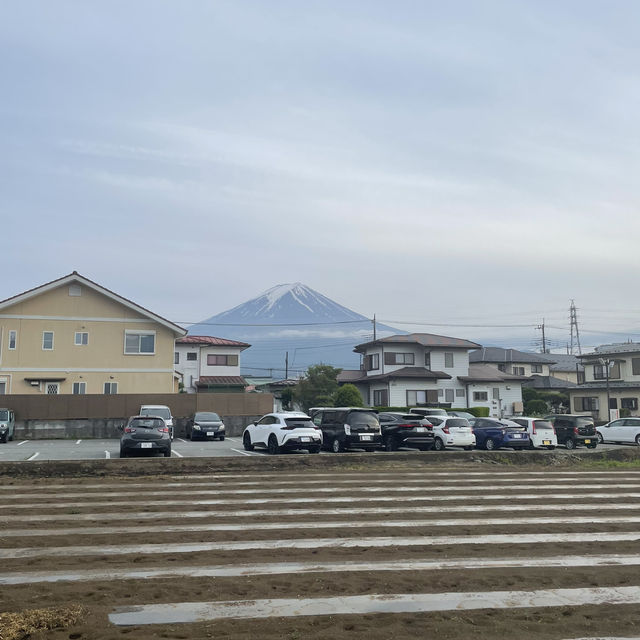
(499, 355)
(618, 347)
(211, 341)
(424, 339)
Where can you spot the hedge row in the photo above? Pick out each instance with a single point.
(479, 412)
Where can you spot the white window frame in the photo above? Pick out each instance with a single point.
(477, 398)
(13, 338)
(81, 387)
(113, 388)
(52, 340)
(448, 355)
(139, 333)
(82, 343)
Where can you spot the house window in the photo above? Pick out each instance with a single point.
(416, 398)
(47, 340)
(13, 339)
(399, 358)
(139, 342)
(380, 398)
(440, 393)
(110, 388)
(629, 403)
(79, 388)
(536, 368)
(580, 377)
(427, 360)
(3, 387)
(81, 338)
(372, 362)
(176, 357)
(518, 371)
(480, 396)
(459, 393)
(192, 355)
(495, 393)
(214, 360)
(586, 404)
(449, 395)
(614, 371)
(448, 360)
(598, 372)
(502, 367)
(635, 366)
(53, 388)
(75, 290)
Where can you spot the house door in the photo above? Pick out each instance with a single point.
(53, 388)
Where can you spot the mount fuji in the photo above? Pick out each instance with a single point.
(293, 319)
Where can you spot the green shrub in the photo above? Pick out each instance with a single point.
(535, 407)
(347, 396)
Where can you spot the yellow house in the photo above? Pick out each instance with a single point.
(73, 336)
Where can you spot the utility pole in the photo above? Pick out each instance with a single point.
(374, 327)
(286, 366)
(544, 344)
(573, 317)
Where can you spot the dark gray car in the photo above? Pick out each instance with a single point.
(205, 425)
(145, 433)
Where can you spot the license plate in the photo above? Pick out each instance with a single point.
(546, 442)
(305, 439)
(366, 437)
(211, 433)
(421, 429)
(587, 441)
(146, 445)
(517, 435)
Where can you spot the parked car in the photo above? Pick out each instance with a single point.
(541, 432)
(622, 430)
(426, 411)
(460, 414)
(205, 425)
(160, 410)
(574, 430)
(405, 430)
(452, 432)
(492, 433)
(7, 424)
(279, 432)
(348, 428)
(145, 433)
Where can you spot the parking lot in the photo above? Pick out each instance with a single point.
(29, 450)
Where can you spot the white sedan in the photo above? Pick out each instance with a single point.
(621, 430)
(278, 432)
(541, 432)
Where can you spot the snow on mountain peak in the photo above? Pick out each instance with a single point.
(296, 289)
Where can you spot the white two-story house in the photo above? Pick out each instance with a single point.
(206, 363)
(423, 369)
(611, 370)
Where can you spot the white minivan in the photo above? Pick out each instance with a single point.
(541, 432)
(161, 411)
(452, 432)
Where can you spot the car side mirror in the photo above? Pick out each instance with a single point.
(255, 423)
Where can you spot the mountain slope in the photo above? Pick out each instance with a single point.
(296, 319)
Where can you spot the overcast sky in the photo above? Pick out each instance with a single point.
(460, 162)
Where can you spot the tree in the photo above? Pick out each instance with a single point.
(347, 396)
(317, 387)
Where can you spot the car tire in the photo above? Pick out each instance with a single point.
(314, 449)
(4, 438)
(246, 442)
(570, 443)
(638, 439)
(489, 444)
(336, 445)
(272, 445)
(468, 448)
(599, 437)
(167, 453)
(592, 446)
(552, 447)
(123, 453)
(438, 445)
(390, 444)
(221, 438)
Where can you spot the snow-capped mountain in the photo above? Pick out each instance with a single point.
(296, 319)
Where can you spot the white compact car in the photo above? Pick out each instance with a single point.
(160, 410)
(621, 430)
(452, 432)
(541, 432)
(278, 432)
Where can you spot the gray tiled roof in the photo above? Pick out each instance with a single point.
(488, 373)
(424, 339)
(499, 355)
(563, 362)
(612, 385)
(605, 349)
(549, 382)
(404, 372)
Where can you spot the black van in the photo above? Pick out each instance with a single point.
(573, 430)
(348, 428)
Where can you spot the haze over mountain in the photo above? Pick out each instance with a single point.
(296, 319)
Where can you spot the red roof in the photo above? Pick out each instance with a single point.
(211, 340)
(221, 380)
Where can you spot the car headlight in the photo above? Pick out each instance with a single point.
(347, 429)
(3, 427)
(196, 427)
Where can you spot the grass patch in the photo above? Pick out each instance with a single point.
(19, 626)
(611, 464)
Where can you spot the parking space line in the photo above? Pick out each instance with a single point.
(181, 440)
(78, 441)
(34, 456)
(244, 453)
(23, 442)
(175, 453)
(107, 455)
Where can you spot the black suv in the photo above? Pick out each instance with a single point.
(574, 430)
(405, 430)
(348, 428)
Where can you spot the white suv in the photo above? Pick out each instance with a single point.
(278, 432)
(452, 432)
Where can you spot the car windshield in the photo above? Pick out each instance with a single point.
(458, 422)
(299, 423)
(4, 414)
(148, 423)
(161, 412)
(543, 424)
(207, 417)
(581, 422)
(363, 418)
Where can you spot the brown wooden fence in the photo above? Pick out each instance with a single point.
(69, 407)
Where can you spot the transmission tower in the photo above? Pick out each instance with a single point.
(575, 334)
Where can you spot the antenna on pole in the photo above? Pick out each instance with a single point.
(575, 334)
